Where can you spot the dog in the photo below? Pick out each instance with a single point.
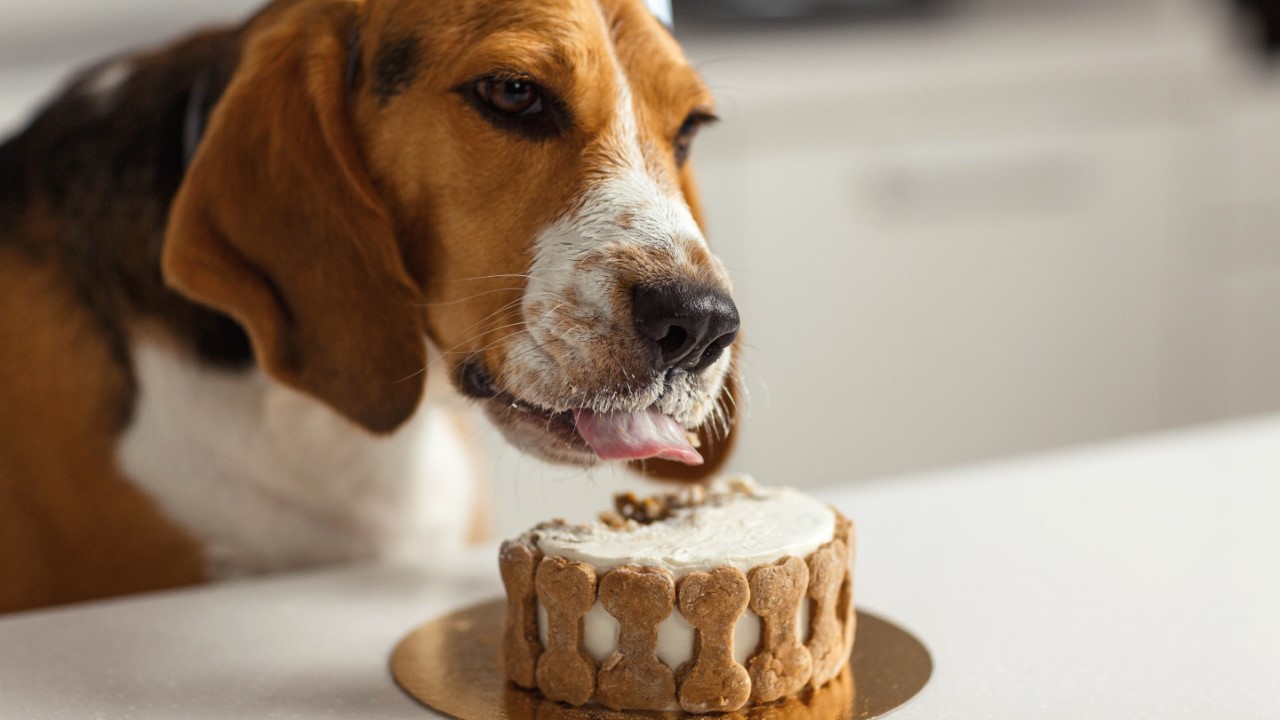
(229, 267)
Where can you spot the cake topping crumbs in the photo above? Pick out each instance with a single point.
(642, 510)
(613, 520)
(631, 509)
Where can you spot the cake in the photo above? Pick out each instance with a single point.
(705, 600)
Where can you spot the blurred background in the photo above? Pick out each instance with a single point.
(959, 229)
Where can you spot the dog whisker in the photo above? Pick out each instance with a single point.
(410, 377)
(500, 310)
(523, 276)
(469, 298)
(454, 350)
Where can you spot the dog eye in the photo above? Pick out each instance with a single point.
(515, 97)
(689, 128)
(515, 103)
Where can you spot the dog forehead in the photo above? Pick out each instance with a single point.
(651, 59)
(468, 21)
(577, 34)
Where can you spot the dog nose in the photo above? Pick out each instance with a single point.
(690, 325)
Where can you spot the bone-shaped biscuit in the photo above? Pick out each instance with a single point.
(567, 590)
(783, 665)
(712, 603)
(518, 562)
(633, 678)
(844, 531)
(828, 566)
(845, 608)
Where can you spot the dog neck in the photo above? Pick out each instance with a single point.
(268, 478)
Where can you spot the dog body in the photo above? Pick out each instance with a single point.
(229, 269)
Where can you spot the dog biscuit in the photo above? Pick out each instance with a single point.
(827, 569)
(783, 665)
(518, 562)
(633, 678)
(845, 608)
(712, 603)
(567, 590)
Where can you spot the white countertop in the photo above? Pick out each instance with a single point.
(1133, 580)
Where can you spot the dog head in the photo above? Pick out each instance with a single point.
(508, 180)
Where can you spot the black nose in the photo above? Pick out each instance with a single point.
(690, 325)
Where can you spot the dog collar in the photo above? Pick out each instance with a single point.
(193, 120)
(353, 58)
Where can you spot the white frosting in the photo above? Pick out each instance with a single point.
(740, 525)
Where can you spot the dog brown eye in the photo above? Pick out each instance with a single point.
(684, 138)
(683, 141)
(510, 96)
(514, 103)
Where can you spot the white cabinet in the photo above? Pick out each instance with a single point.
(955, 244)
(1243, 284)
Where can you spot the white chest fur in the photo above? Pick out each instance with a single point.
(271, 479)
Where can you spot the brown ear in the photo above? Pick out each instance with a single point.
(278, 225)
(716, 436)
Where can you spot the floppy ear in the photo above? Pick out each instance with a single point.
(278, 225)
(716, 436)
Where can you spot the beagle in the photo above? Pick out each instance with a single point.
(229, 268)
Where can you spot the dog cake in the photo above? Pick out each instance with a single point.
(705, 600)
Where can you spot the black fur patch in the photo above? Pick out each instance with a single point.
(107, 166)
(395, 67)
(355, 62)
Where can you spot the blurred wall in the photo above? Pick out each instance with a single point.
(40, 42)
(1001, 227)
(1014, 226)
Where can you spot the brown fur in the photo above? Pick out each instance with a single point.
(83, 195)
(333, 228)
(71, 528)
(415, 167)
(347, 329)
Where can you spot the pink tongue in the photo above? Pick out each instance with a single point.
(635, 436)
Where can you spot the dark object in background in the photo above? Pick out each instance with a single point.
(747, 11)
(1265, 16)
(1261, 16)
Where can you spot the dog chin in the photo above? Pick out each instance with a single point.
(548, 436)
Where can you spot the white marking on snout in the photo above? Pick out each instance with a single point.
(571, 307)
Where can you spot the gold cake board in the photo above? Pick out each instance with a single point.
(452, 665)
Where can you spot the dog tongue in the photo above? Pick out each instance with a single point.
(635, 436)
